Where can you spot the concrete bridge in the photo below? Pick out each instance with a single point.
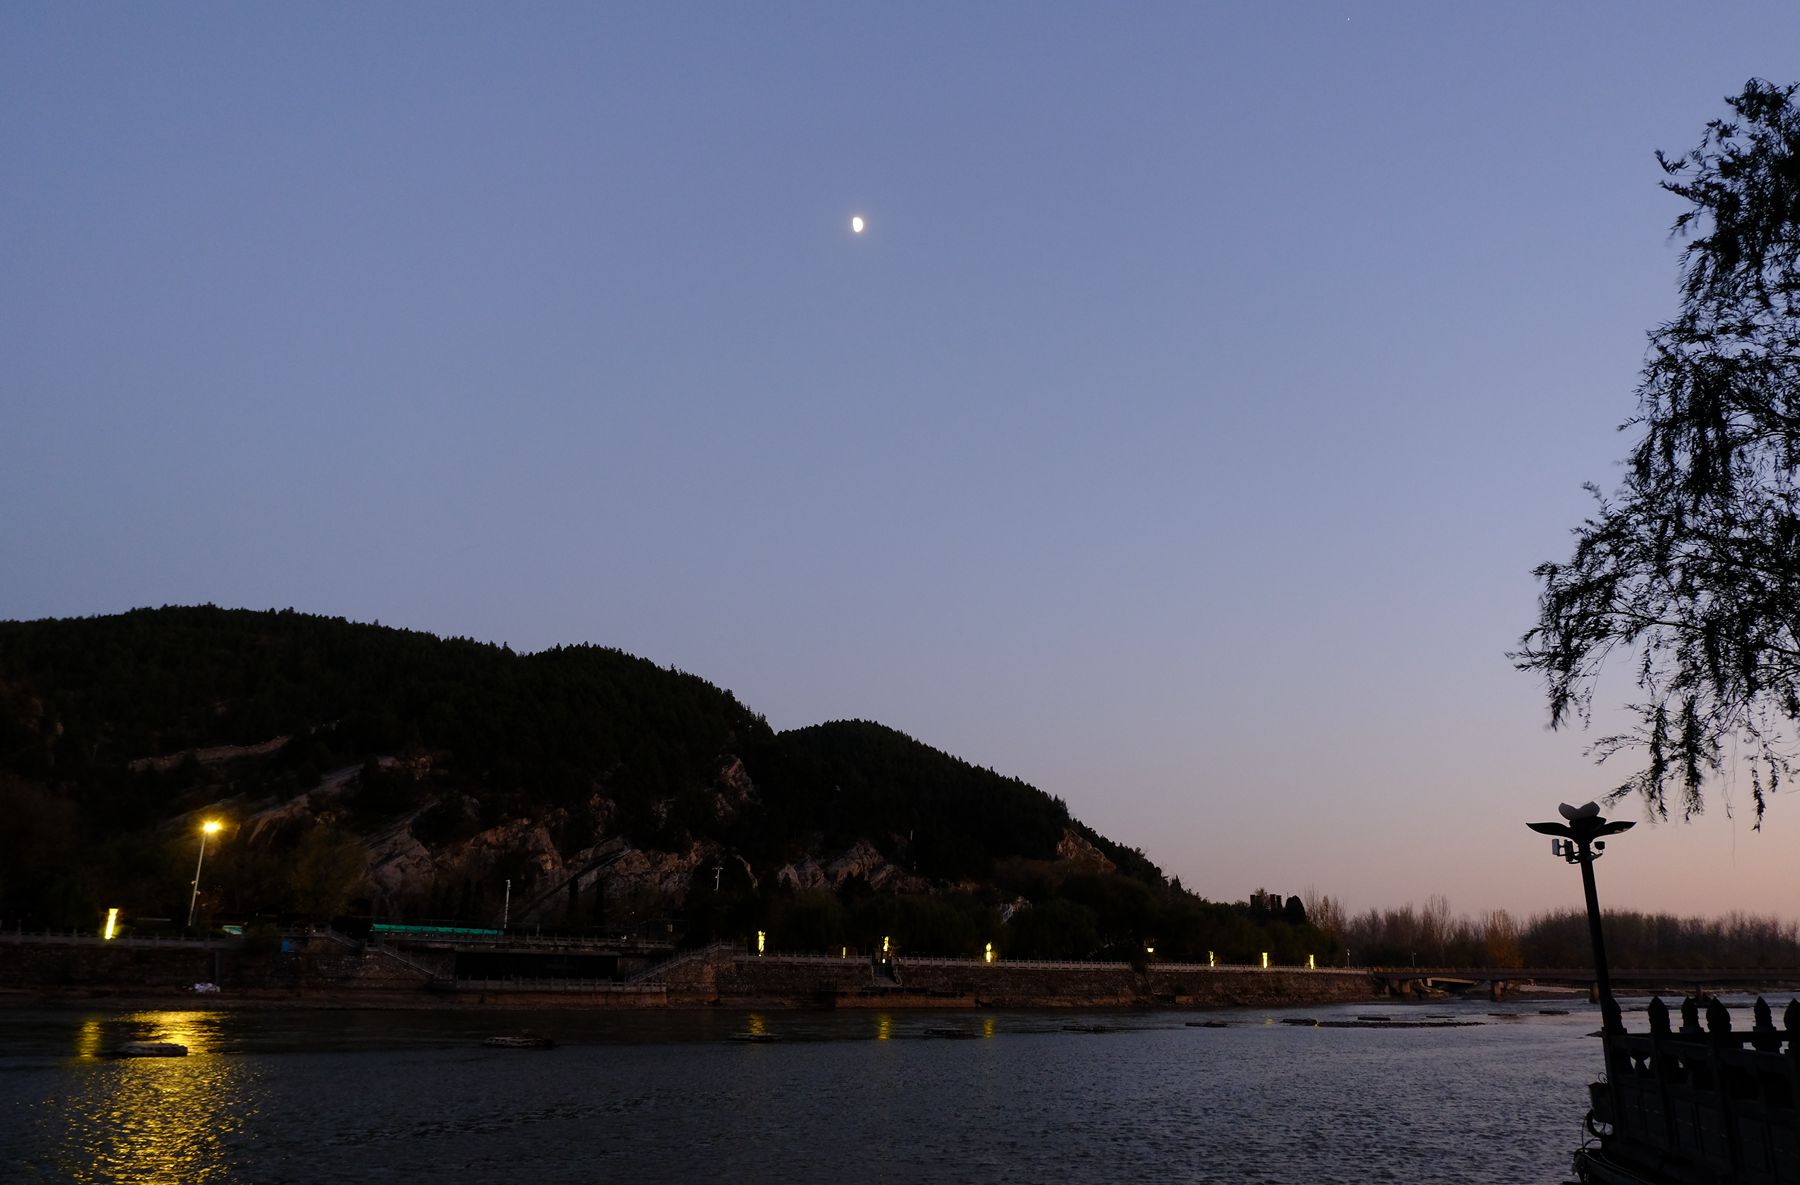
(1500, 981)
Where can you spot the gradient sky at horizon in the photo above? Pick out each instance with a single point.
(1179, 437)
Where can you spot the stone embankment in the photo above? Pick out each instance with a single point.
(297, 967)
(730, 976)
(328, 969)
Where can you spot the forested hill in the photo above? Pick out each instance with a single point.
(368, 768)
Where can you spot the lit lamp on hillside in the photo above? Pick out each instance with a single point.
(1579, 841)
(210, 827)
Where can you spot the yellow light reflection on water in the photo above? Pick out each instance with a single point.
(987, 1026)
(884, 1027)
(90, 1039)
(151, 1119)
(758, 1026)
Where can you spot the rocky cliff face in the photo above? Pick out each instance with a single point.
(1082, 855)
(634, 882)
(550, 884)
(860, 859)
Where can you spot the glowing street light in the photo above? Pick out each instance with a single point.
(210, 827)
(112, 923)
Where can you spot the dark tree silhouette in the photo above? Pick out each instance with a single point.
(1692, 567)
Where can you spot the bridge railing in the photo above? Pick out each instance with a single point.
(1711, 1097)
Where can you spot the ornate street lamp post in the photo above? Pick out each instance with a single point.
(1579, 842)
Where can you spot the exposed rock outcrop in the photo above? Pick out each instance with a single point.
(208, 756)
(1073, 849)
(860, 859)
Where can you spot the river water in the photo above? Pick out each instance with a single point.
(268, 1097)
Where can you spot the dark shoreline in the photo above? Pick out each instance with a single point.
(275, 1000)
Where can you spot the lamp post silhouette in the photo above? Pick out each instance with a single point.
(210, 827)
(1579, 842)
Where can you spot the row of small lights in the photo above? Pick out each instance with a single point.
(988, 954)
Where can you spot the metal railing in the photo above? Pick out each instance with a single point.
(544, 941)
(88, 937)
(557, 984)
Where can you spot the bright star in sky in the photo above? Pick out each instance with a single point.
(856, 224)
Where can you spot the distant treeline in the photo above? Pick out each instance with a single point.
(1429, 935)
(1030, 912)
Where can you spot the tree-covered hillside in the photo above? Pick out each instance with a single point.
(365, 768)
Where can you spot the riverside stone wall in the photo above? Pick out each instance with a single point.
(84, 965)
(747, 979)
(736, 978)
(301, 963)
(320, 966)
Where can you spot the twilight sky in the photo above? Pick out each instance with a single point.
(1179, 436)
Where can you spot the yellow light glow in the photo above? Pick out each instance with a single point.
(989, 953)
(884, 944)
(1309, 964)
(211, 826)
(1265, 960)
(843, 952)
(856, 224)
(1149, 950)
(91, 1039)
(1212, 960)
(112, 923)
(884, 1027)
(172, 1119)
(761, 938)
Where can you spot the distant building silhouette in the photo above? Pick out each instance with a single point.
(1263, 901)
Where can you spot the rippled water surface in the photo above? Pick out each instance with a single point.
(270, 1097)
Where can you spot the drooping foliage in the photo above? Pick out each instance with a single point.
(1692, 567)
